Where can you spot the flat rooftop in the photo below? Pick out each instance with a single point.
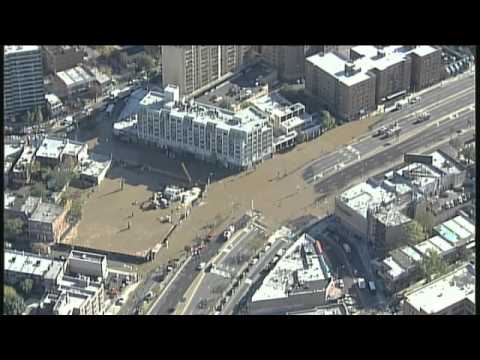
(445, 291)
(245, 120)
(392, 217)
(76, 76)
(430, 175)
(87, 256)
(240, 87)
(362, 196)
(134, 102)
(395, 270)
(51, 148)
(281, 279)
(31, 264)
(12, 49)
(25, 159)
(95, 164)
(426, 246)
(442, 163)
(72, 147)
(336, 309)
(52, 99)
(11, 150)
(25, 205)
(335, 65)
(456, 230)
(46, 212)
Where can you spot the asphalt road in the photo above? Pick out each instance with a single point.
(342, 178)
(346, 155)
(226, 262)
(175, 293)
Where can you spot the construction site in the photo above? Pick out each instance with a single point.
(108, 210)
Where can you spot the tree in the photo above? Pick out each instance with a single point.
(26, 287)
(145, 62)
(38, 190)
(39, 116)
(106, 51)
(76, 209)
(13, 228)
(413, 232)
(13, 303)
(29, 118)
(328, 120)
(427, 220)
(35, 168)
(433, 264)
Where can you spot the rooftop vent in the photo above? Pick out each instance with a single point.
(349, 68)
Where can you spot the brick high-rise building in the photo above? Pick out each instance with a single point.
(374, 75)
(194, 68)
(288, 60)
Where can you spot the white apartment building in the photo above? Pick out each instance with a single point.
(194, 68)
(237, 140)
(22, 79)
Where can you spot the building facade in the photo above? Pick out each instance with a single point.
(44, 271)
(288, 60)
(48, 222)
(426, 67)
(194, 68)
(236, 140)
(22, 79)
(340, 86)
(372, 76)
(75, 296)
(61, 57)
(89, 264)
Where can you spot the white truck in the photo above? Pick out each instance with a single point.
(425, 116)
(361, 283)
(371, 285)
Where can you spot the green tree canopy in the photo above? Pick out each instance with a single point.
(38, 115)
(145, 62)
(328, 120)
(413, 232)
(13, 228)
(26, 287)
(76, 208)
(433, 264)
(427, 220)
(13, 303)
(39, 190)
